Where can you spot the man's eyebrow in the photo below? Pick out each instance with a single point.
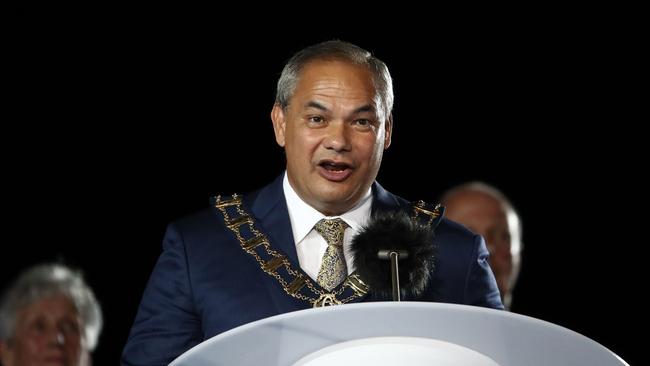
(312, 104)
(365, 108)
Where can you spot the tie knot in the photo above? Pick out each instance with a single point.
(332, 230)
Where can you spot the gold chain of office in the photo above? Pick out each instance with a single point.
(277, 265)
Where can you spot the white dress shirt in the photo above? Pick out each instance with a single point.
(310, 245)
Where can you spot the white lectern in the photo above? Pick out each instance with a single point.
(413, 333)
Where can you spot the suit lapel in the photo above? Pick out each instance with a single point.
(269, 207)
(384, 200)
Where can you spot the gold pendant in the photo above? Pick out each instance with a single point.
(326, 300)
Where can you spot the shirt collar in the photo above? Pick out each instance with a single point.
(303, 217)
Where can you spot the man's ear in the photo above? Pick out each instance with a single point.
(389, 131)
(279, 124)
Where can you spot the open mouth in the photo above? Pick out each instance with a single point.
(334, 171)
(334, 167)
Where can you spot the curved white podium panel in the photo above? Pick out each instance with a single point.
(391, 351)
(446, 332)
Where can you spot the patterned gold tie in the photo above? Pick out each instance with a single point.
(333, 270)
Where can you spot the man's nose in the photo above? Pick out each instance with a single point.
(60, 338)
(337, 137)
(56, 338)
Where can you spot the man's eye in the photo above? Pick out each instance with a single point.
(364, 124)
(316, 119)
(69, 327)
(39, 325)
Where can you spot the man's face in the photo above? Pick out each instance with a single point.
(333, 135)
(47, 333)
(484, 215)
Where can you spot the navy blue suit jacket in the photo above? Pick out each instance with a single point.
(204, 283)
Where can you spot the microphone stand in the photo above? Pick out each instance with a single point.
(394, 256)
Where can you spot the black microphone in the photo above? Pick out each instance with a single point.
(412, 243)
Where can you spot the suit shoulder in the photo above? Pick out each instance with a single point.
(210, 215)
(452, 227)
(195, 220)
(451, 231)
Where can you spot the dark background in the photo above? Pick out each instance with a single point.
(119, 121)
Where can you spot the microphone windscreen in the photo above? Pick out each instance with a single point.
(394, 231)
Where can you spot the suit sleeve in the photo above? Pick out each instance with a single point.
(167, 323)
(481, 287)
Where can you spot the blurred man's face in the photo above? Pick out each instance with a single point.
(48, 333)
(486, 216)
